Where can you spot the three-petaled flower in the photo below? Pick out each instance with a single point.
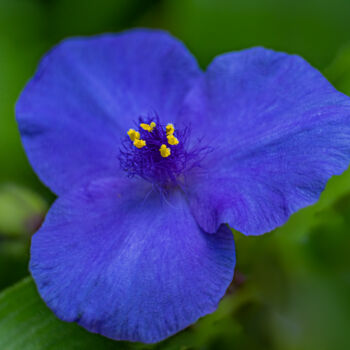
(152, 159)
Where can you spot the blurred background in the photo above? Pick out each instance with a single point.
(292, 286)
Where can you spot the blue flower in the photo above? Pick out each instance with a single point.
(150, 159)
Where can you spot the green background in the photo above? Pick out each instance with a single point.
(292, 286)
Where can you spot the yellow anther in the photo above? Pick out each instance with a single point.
(169, 129)
(172, 140)
(133, 134)
(139, 143)
(148, 127)
(164, 151)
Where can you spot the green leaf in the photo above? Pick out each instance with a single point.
(339, 70)
(27, 324)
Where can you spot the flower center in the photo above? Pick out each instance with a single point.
(158, 153)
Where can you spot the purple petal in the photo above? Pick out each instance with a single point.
(128, 264)
(88, 92)
(280, 131)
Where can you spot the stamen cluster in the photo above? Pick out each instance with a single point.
(157, 153)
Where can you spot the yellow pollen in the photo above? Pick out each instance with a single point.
(148, 127)
(139, 143)
(164, 151)
(133, 134)
(172, 140)
(169, 129)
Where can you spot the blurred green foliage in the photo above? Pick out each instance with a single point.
(292, 286)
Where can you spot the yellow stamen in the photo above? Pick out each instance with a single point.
(148, 127)
(133, 134)
(164, 151)
(172, 140)
(139, 143)
(169, 129)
